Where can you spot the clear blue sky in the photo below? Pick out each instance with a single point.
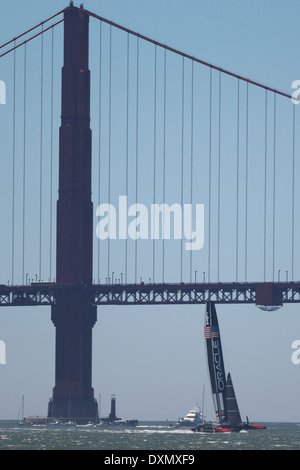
(154, 359)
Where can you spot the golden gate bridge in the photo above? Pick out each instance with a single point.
(167, 128)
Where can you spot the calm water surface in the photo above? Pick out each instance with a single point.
(148, 436)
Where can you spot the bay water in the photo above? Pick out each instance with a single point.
(150, 436)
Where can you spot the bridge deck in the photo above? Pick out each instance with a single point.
(267, 294)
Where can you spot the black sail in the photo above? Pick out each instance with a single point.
(215, 362)
(232, 408)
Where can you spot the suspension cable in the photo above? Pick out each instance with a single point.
(219, 176)
(41, 153)
(246, 180)
(13, 173)
(293, 194)
(182, 162)
(99, 136)
(51, 150)
(31, 29)
(137, 149)
(109, 148)
(274, 188)
(24, 161)
(265, 186)
(192, 160)
(164, 146)
(209, 170)
(237, 177)
(188, 56)
(154, 155)
(145, 38)
(127, 145)
(31, 38)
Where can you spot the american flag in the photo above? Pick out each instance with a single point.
(211, 332)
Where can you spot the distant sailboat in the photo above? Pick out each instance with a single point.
(225, 403)
(21, 411)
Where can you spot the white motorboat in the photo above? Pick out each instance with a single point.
(192, 418)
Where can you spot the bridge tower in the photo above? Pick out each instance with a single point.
(72, 315)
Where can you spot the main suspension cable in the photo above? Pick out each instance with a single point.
(188, 56)
(31, 29)
(31, 38)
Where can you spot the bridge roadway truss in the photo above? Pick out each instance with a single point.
(264, 294)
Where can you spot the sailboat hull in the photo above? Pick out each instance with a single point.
(211, 428)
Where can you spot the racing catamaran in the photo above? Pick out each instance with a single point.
(225, 402)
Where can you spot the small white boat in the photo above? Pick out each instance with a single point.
(192, 418)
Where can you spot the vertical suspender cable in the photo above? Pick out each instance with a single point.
(274, 188)
(192, 161)
(51, 153)
(237, 179)
(154, 155)
(99, 138)
(127, 153)
(24, 161)
(219, 173)
(127, 147)
(209, 170)
(41, 153)
(182, 163)
(246, 182)
(13, 172)
(293, 194)
(164, 158)
(265, 188)
(109, 149)
(137, 147)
